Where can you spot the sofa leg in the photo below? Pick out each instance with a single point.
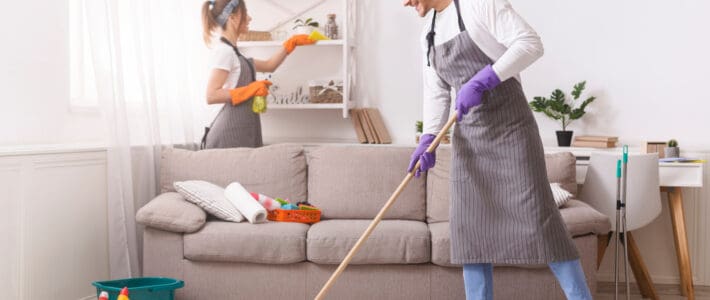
(602, 244)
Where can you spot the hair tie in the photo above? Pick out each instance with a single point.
(226, 11)
(210, 2)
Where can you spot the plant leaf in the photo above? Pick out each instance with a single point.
(309, 20)
(579, 112)
(578, 89)
(314, 24)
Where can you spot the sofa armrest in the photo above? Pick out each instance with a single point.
(581, 219)
(171, 212)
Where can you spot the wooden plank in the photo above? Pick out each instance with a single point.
(370, 127)
(354, 116)
(365, 128)
(379, 124)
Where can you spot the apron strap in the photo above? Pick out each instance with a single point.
(239, 54)
(431, 34)
(462, 26)
(430, 39)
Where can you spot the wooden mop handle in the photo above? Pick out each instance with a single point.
(382, 212)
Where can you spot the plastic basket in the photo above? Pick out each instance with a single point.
(144, 288)
(299, 216)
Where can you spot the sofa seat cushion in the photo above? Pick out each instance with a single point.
(268, 243)
(580, 220)
(392, 242)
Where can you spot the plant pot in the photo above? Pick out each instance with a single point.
(305, 29)
(564, 138)
(672, 152)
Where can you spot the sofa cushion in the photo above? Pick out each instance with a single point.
(355, 182)
(275, 171)
(171, 212)
(268, 243)
(561, 168)
(580, 220)
(392, 242)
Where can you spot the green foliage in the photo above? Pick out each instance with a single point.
(672, 143)
(420, 126)
(557, 108)
(307, 22)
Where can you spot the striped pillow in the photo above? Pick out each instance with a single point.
(560, 195)
(209, 197)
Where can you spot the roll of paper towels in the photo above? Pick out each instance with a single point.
(244, 202)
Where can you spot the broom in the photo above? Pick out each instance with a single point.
(382, 212)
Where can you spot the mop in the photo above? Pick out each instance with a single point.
(621, 221)
(384, 209)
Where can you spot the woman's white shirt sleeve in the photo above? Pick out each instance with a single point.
(437, 102)
(224, 58)
(522, 44)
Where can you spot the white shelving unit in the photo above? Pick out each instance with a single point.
(325, 60)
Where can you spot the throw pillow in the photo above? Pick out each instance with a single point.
(210, 197)
(561, 195)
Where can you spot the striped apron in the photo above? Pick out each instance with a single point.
(502, 210)
(236, 126)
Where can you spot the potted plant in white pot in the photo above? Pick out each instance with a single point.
(557, 108)
(305, 26)
(672, 149)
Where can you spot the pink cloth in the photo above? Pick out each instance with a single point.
(266, 201)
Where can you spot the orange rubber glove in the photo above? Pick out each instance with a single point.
(256, 88)
(297, 40)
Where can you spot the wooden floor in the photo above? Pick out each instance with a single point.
(605, 291)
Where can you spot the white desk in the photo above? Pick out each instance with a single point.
(673, 177)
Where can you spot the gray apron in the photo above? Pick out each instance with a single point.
(502, 210)
(236, 126)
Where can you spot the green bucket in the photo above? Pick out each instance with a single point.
(143, 288)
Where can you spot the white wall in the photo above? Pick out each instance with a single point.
(34, 83)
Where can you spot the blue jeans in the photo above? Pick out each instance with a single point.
(478, 280)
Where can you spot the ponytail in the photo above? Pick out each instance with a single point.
(212, 8)
(208, 23)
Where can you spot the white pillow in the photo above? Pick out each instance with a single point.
(561, 195)
(210, 197)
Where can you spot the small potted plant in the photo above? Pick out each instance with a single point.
(557, 108)
(419, 128)
(305, 26)
(672, 149)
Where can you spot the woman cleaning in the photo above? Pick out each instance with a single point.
(502, 210)
(232, 80)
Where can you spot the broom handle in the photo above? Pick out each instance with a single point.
(382, 212)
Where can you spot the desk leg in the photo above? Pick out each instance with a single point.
(638, 267)
(675, 200)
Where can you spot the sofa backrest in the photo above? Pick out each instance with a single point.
(275, 171)
(561, 168)
(354, 182)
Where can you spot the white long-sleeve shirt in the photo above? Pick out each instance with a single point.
(495, 28)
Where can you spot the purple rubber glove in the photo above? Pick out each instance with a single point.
(427, 159)
(471, 93)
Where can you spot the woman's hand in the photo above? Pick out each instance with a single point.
(256, 88)
(297, 40)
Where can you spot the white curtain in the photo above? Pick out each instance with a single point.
(149, 67)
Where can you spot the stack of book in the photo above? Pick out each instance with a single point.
(369, 126)
(589, 141)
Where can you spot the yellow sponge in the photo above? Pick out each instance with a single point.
(317, 36)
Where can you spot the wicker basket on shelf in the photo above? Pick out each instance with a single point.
(255, 36)
(328, 92)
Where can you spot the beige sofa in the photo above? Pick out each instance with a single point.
(407, 256)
